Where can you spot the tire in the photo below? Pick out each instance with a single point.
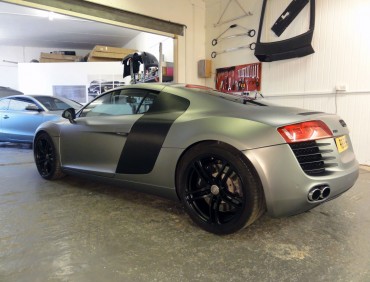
(46, 157)
(219, 188)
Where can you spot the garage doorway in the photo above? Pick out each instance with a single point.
(141, 38)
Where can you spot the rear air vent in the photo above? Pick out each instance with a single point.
(342, 122)
(314, 158)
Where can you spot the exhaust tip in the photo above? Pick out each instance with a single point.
(325, 192)
(319, 193)
(314, 194)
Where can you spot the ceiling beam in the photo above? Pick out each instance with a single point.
(104, 14)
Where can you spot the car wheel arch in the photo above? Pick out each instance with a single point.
(46, 156)
(221, 143)
(252, 206)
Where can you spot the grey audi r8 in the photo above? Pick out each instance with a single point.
(227, 158)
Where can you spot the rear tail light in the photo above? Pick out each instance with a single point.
(305, 131)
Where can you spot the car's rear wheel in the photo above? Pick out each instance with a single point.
(46, 157)
(219, 188)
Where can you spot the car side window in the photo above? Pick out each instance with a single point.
(4, 104)
(20, 104)
(121, 102)
(146, 103)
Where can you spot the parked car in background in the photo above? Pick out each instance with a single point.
(20, 115)
(100, 86)
(228, 158)
(7, 91)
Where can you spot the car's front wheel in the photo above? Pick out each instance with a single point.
(219, 188)
(46, 157)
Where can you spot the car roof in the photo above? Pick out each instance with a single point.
(7, 91)
(17, 96)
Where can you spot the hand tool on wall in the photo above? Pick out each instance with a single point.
(248, 32)
(251, 46)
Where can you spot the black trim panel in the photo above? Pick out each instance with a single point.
(290, 13)
(294, 47)
(147, 135)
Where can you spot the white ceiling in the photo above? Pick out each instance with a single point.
(23, 26)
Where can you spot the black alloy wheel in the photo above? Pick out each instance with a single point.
(219, 189)
(46, 157)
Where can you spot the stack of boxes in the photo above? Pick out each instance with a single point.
(98, 54)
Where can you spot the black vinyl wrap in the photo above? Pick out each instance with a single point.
(147, 135)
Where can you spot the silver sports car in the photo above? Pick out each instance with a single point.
(227, 158)
(20, 115)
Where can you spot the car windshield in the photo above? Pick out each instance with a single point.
(57, 104)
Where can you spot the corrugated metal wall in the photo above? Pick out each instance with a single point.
(342, 57)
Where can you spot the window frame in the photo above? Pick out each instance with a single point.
(84, 112)
(23, 100)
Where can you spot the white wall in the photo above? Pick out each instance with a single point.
(214, 10)
(9, 71)
(40, 78)
(341, 42)
(20, 54)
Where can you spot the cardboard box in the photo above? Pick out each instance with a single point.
(102, 59)
(108, 54)
(57, 58)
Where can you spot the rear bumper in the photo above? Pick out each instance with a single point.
(286, 186)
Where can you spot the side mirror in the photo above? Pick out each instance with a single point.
(69, 114)
(32, 107)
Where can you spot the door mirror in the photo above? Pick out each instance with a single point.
(32, 107)
(69, 114)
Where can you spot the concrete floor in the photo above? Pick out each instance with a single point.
(79, 230)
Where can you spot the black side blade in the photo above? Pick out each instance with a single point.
(286, 18)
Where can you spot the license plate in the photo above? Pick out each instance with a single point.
(342, 143)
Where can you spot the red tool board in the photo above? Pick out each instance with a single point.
(243, 78)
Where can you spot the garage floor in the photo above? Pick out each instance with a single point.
(79, 230)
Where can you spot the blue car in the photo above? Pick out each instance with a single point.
(20, 115)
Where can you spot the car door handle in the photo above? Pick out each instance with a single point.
(5, 117)
(122, 133)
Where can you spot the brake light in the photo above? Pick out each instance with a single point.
(305, 131)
